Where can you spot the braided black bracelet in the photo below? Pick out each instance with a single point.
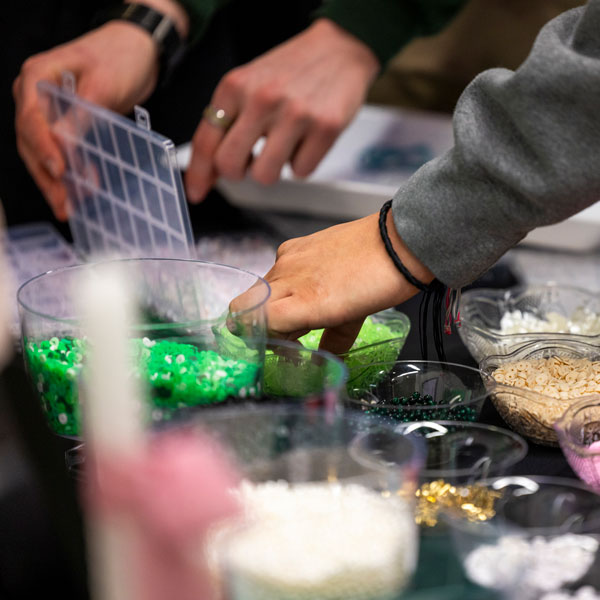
(392, 253)
(433, 292)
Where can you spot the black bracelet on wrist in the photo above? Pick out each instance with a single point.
(171, 46)
(392, 253)
(434, 292)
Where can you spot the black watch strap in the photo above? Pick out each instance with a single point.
(171, 46)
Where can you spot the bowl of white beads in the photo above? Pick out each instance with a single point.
(533, 386)
(544, 537)
(319, 518)
(497, 321)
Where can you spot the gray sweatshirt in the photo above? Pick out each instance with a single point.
(526, 154)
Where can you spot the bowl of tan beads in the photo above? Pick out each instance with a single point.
(534, 385)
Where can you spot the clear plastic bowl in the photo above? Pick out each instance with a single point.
(183, 346)
(578, 433)
(530, 413)
(304, 470)
(459, 455)
(544, 535)
(446, 391)
(481, 312)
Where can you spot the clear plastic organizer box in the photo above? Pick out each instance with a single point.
(124, 188)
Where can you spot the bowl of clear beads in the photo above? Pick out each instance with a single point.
(416, 390)
(319, 518)
(459, 455)
(535, 384)
(182, 348)
(543, 537)
(578, 433)
(497, 321)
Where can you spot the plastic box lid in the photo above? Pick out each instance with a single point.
(124, 188)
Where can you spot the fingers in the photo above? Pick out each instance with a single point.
(31, 125)
(35, 143)
(338, 340)
(201, 173)
(280, 145)
(52, 188)
(287, 318)
(313, 148)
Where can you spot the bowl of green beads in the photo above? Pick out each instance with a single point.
(381, 338)
(417, 390)
(297, 374)
(179, 347)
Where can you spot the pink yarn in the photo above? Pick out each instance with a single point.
(173, 490)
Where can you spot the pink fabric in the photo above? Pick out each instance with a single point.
(587, 467)
(173, 490)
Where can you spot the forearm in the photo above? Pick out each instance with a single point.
(525, 155)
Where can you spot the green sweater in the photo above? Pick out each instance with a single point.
(386, 26)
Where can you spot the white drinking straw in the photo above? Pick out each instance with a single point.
(112, 424)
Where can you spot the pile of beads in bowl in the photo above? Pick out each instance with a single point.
(366, 547)
(417, 407)
(533, 386)
(176, 375)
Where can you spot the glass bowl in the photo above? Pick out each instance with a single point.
(544, 535)
(459, 455)
(482, 312)
(322, 518)
(578, 433)
(182, 347)
(529, 411)
(417, 390)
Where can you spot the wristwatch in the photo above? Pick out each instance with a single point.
(171, 46)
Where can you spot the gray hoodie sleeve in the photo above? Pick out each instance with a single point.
(526, 154)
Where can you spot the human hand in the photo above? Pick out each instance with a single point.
(334, 279)
(115, 66)
(299, 96)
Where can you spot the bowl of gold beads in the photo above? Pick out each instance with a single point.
(459, 455)
(416, 390)
(182, 347)
(533, 386)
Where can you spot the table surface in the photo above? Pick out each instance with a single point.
(42, 548)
